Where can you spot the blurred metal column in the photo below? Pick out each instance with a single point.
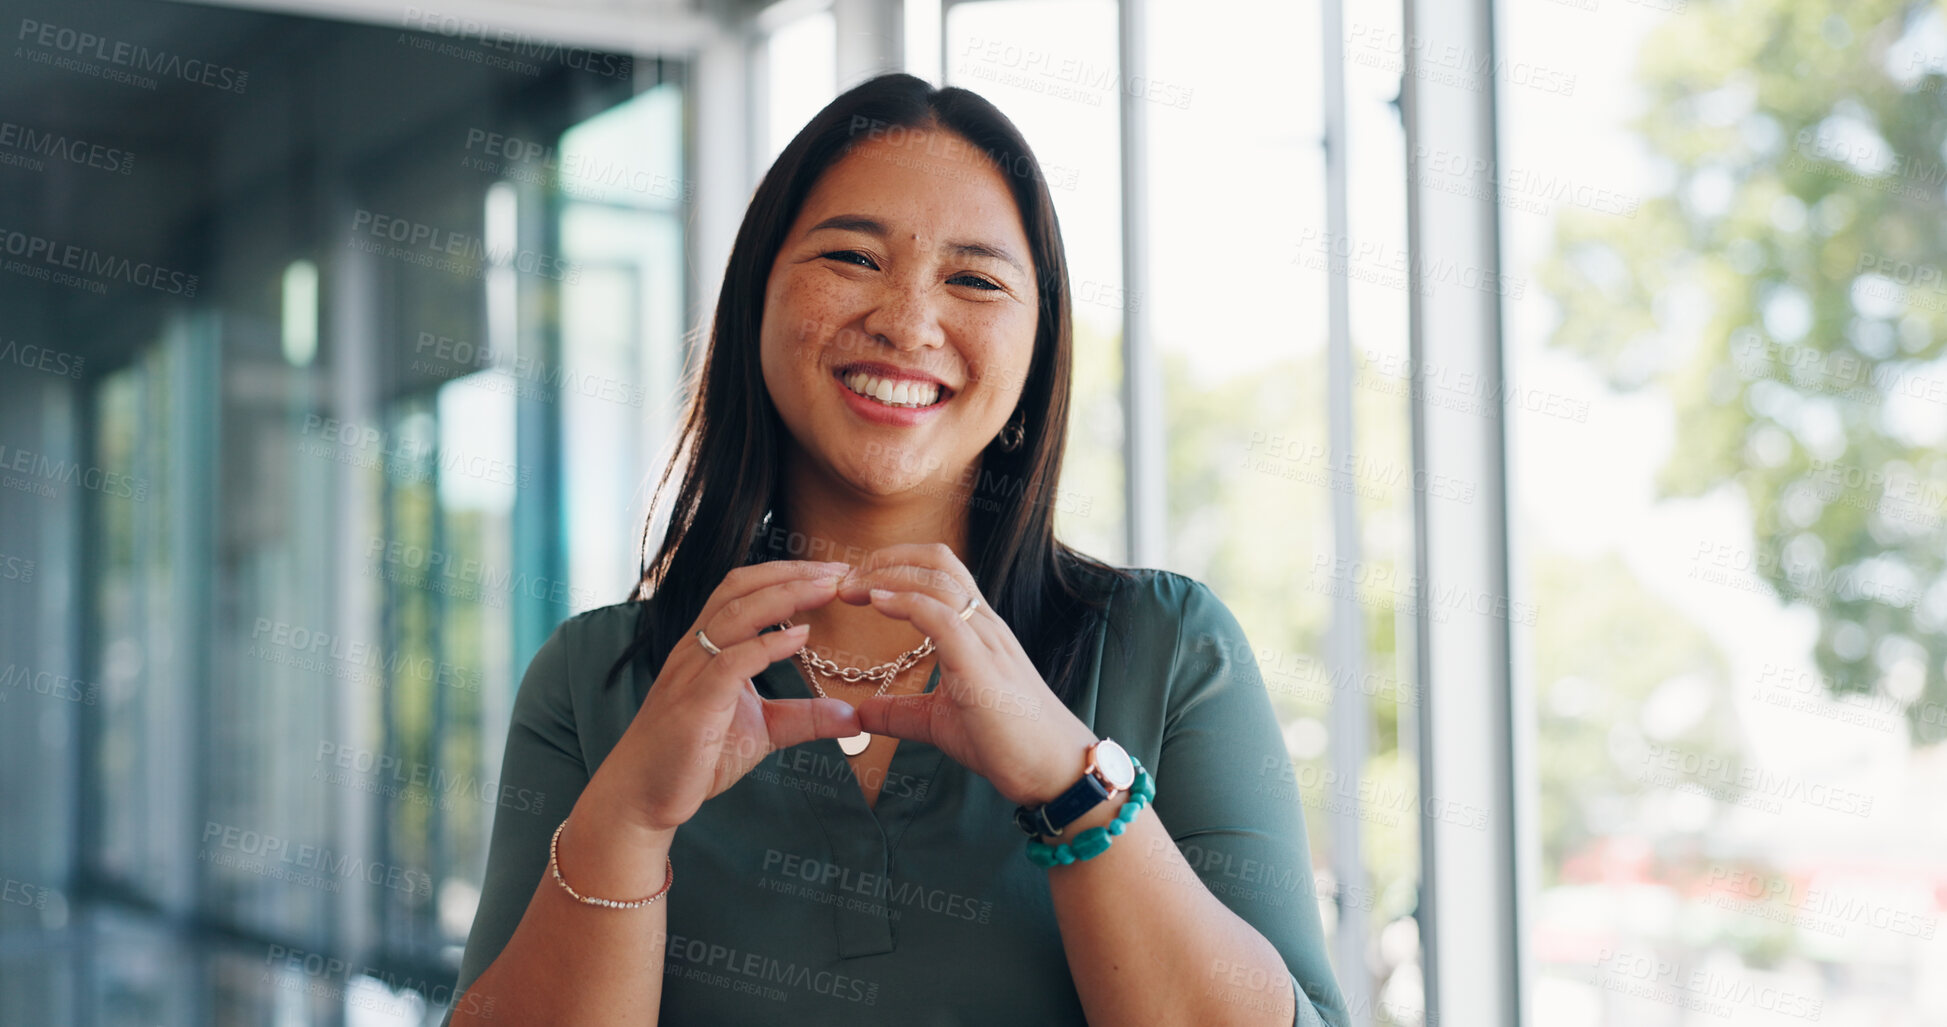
(182, 786)
(718, 148)
(1351, 717)
(1470, 903)
(1144, 503)
(871, 39)
(946, 58)
(357, 611)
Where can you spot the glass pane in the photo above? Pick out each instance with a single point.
(1240, 281)
(1728, 416)
(292, 360)
(801, 67)
(621, 338)
(1379, 474)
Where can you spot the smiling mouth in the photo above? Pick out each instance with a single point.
(892, 392)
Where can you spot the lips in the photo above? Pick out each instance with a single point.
(851, 381)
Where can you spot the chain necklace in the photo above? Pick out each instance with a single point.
(884, 673)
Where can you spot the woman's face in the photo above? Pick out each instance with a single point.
(906, 275)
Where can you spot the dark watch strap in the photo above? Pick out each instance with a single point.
(1066, 808)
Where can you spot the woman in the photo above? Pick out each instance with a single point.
(870, 456)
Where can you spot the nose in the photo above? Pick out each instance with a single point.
(904, 316)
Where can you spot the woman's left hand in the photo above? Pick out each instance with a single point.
(991, 711)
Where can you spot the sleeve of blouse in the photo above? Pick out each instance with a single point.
(541, 777)
(1223, 789)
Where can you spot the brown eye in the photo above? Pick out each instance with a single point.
(850, 257)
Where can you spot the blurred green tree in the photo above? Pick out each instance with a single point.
(1787, 292)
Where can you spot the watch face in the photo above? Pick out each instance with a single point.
(1112, 764)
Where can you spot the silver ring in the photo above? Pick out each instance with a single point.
(972, 605)
(704, 641)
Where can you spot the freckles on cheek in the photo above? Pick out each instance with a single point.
(1001, 347)
(813, 309)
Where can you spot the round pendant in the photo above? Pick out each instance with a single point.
(856, 744)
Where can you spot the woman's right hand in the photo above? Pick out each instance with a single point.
(703, 726)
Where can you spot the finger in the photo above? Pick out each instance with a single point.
(796, 721)
(940, 584)
(743, 617)
(931, 567)
(957, 642)
(923, 554)
(735, 587)
(909, 717)
(937, 555)
(717, 684)
(746, 581)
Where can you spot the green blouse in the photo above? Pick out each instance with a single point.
(797, 903)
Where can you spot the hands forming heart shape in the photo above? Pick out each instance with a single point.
(992, 712)
(703, 726)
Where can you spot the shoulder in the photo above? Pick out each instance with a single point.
(579, 652)
(1160, 618)
(1152, 599)
(603, 624)
(566, 682)
(1177, 624)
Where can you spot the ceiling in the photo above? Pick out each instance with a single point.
(222, 181)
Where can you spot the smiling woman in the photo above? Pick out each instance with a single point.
(962, 833)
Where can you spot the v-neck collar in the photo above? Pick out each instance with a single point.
(916, 758)
(864, 838)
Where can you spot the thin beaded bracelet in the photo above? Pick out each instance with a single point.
(554, 866)
(1095, 841)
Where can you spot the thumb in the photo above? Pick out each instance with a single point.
(902, 716)
(791, 722)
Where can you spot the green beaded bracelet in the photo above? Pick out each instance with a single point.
(1095, 841)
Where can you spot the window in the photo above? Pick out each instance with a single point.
(1728, 503)
(294, 516)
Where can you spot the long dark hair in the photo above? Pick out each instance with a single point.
(729, 446)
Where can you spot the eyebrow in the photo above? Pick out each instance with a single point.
(878, 229)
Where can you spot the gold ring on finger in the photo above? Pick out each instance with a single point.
(972, 605)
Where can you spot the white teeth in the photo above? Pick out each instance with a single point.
(903, 393)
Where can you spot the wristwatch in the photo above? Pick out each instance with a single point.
(1108, 771)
